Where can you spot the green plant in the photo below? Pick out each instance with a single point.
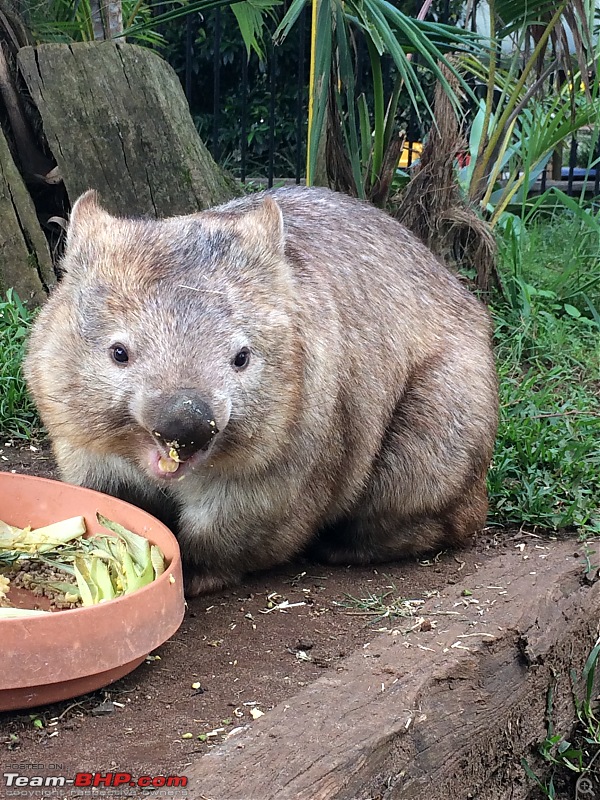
(553, 244)
(524, 151)
(17, 413)
(231, 100)
(529, 109)
(573, 760)
(367, 144)
(67, 21)
(140, 21)
(546, 469)
(258, 131)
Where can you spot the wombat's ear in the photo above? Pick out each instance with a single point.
(264, 225)
(85, 208)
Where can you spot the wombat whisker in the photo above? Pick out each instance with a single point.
(196, 289)
(309, 397)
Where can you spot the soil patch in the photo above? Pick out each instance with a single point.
(237, 653)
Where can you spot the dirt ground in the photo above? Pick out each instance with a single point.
(234, 656)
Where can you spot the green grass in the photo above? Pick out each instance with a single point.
(546, 469)
(17, 413)
(557, 253)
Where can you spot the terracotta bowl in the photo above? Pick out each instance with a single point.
(53, 657)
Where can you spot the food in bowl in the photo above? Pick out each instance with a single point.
(60, 563)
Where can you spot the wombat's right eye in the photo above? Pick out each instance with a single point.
(119, 353)
(242, 358)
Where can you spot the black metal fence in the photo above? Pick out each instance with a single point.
(253, 115)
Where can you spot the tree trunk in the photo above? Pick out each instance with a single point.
(107, 19)
(33, 163)
(116, 120)
(25, 261)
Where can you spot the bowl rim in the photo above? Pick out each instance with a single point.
(92, 640)
(171, 564)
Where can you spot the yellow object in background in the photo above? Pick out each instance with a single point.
(416, 148)
(311, 89)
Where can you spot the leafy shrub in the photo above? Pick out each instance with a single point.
(231, 54)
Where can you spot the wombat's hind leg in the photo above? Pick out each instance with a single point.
(196, 583)
(380, 538)
(375, 539)
(427, 487)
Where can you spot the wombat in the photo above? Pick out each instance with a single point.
(290, 372)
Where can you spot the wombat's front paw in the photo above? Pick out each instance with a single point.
(195, 584)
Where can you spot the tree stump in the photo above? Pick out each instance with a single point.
(25, 261)
(116, 119)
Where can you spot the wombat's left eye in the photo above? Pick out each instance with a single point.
(242, 358)
(119, 353)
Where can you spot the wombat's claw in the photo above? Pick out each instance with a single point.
(205, 584)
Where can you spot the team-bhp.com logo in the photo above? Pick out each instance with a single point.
(95, 779)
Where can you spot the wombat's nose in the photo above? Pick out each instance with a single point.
(186, 423)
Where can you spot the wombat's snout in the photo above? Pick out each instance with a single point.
(185, 423)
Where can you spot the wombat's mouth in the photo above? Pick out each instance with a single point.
(172, 466)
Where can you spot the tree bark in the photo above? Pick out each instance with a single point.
(97, 20)
(33, 163)
(116, 120)
(113, 18)
(25, 261)
(444, 709)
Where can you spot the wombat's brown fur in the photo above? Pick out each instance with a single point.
(325, 381)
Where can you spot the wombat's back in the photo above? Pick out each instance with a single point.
(373, 303)
(379, 275)
(384, 325)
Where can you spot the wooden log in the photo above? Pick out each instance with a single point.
(25, 261)
(446, 710)
(116, 120)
